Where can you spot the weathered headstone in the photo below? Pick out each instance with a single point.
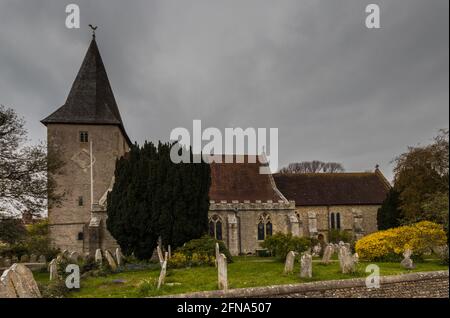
(407, 261)
(316, 250)
(347, 261)
(306, 265)
(98, 256)
(74, 257)
(53, 269)
(33, 258)
(169, 250)
(289, 264)
(119, 257)
(23, 281)
(217, 250)
(42, 259)
(110, 260)
(6, 286)
(160, 255)
(65, 254)
(25, 258)
(327, 254)
(222, 272)
(162, 274)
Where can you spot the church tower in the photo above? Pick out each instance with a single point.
(88, 135)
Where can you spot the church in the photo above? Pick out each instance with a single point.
(87, 133)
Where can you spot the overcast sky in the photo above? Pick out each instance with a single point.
(336, 90)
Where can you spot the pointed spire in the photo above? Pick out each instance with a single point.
(91, 99)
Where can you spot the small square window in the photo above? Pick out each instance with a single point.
(84, 136)
(80, 201)
(80, 236)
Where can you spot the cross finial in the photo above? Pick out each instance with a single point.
(93, 29)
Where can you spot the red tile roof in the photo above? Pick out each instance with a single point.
(241, 181)
(313, 189)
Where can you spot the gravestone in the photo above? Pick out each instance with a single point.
(110, 260)
(222, 272)
(289, 264)
(306, 265)
(347, 261)
(160, 255)
(25, 258)
(23, 281)
(162, 274)
(119, 257)
(316, 250)
(53, 269)
(407, 261)
(42, 259)
(98, 256)
(74, 257)
(6, 285)
(65, 254)
(169, 250)
(14, 259)
(33, 258)
(217, 253)
(327, 254)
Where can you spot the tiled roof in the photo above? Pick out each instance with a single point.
(241, 181)
(313, 189)
(91, 99)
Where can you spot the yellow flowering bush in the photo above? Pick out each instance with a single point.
(383, 245)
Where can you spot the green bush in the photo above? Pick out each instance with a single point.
(279, 244)
(337, 235)
(198, 252)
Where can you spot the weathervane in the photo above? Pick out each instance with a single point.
(93, 29)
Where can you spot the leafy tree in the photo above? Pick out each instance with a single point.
(421, 176)
(315, 166)
(389, 213)
(23, 169)
(155, 198)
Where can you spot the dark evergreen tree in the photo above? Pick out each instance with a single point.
(152, 197)
(389, 213)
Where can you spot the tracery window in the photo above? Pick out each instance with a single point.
(215, 227)
(265, 227)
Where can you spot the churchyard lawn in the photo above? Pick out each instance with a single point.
(247, 271)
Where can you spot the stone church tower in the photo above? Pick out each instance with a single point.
(88, 135)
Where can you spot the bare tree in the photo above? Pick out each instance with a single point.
(315, 166)
(23, 169)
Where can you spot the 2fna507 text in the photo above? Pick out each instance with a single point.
(245, 307)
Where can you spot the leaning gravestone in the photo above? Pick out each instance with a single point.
(162, 274)
(347, 261)
(327, 253)
(98, 256)
(222, 272)
(23, 281)
(53, 269)
(160, 255)
(110, 260)
(6, 286)
(407, 261)
(289, 264)
(25, 258)
(306, 265)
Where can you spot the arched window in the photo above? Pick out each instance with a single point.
(268, 228)
(219, 230)
(261, 231)
(215, 227)
(338, 221)
(332, 221)
(264, 227)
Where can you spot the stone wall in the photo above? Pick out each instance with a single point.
(414, 285)
(69, 219)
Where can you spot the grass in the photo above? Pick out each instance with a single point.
(245, 271)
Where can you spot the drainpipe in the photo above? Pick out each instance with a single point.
(238, 218)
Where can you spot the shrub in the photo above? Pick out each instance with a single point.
(390, 244)
(198, 252)
(279, 244)
(337, 235)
